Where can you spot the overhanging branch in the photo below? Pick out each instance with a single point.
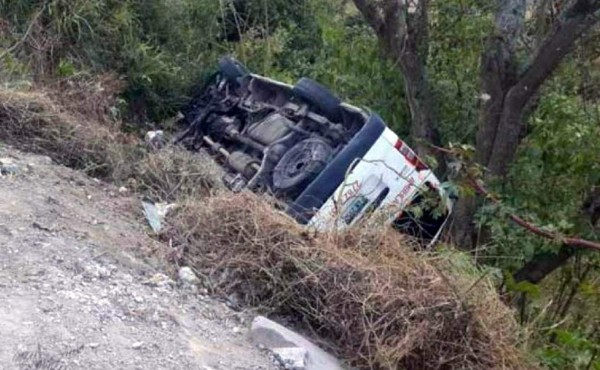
(569, 241)
(565, 240)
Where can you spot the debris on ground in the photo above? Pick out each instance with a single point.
(366, 291)
(187, 276)
(9, 167)
(155, 213)
(156, 139)
(292, 350)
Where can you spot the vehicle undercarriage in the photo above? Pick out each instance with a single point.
(269, 136)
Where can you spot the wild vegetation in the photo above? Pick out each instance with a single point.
(507, 89)
(379, 304)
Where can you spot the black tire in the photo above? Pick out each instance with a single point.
(232, 69)
(320, 97)
(300, 166)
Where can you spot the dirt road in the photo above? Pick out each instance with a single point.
(73, 294)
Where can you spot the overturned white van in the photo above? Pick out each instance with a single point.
(331, 163)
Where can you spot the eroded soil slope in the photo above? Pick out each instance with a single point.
(74, 296)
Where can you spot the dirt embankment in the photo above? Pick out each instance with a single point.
(71, 284)
(74, 296)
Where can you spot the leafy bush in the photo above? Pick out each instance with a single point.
(58, 38)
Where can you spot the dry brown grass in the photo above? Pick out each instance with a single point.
(93, 98)
(174, 173)
(76, 136)
(34, 122)
(381, 304)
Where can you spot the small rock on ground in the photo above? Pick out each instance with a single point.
(276, 337)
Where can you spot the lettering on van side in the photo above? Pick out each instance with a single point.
(352, 191)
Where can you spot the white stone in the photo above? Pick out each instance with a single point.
(293, 358)
(8, 167)
(153, 135)
(156, 139)
(272, 335)
(187, 276)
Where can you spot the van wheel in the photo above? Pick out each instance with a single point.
(232, 69)
(320, 97)
(300, 165)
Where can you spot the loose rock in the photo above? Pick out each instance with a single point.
(8, 167)
(293, 358)
(277, 337)
(156, 139)
(187, 276)
(159, 280)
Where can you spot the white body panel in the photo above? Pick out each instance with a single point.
(383, 171)
(385, 165)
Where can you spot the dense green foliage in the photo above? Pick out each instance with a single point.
(164, 48)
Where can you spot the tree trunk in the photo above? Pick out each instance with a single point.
(498, 74)
(543, 264)
(423, 130)
(403, 37)
(502, 118)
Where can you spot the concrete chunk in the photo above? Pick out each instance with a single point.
(273, 336)
(292, 358)
(8, 167)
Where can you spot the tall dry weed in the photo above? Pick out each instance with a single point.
(383, 305)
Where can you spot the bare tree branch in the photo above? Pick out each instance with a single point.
(578, 19)
(544, 263)
(541, 265)
(564, 240)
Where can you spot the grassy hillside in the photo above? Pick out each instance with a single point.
(82, 79)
